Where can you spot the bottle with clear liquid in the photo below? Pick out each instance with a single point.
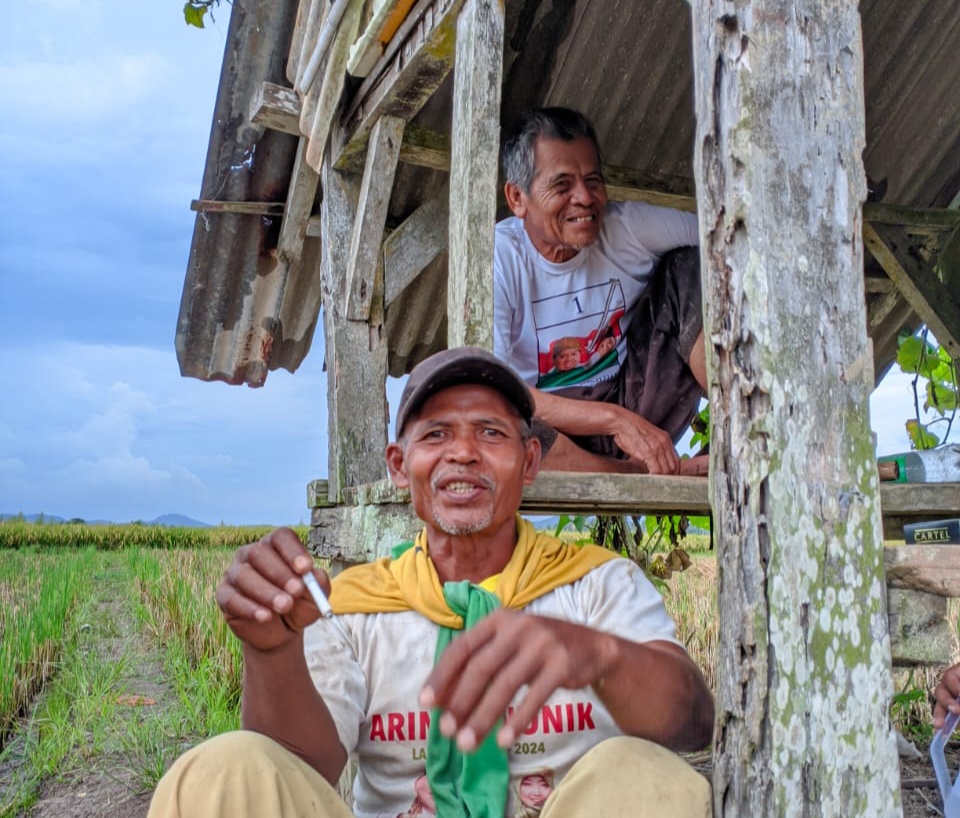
(940, 465)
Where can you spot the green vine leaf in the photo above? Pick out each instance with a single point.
(941, 396)
(920, 436)
(910, 352)
(193, 15)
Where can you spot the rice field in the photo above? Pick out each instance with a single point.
(37, 592)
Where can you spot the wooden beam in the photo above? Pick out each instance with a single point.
(592, 493)
(948, 260)
(414, 65)
(628, 184)
(277, 107)
(301, 194)
(911, 217)
(876, 284)
(918, 283)
(878, 309)
(244, 208)
(414, 244)
(425, 148)
(381, 166)
(473, 172)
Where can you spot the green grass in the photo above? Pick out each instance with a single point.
(121, 605)
(37, 592)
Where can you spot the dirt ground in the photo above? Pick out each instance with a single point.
(104, 793)
(921, 797)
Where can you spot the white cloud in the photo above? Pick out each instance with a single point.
(90, 88)
(116, 433)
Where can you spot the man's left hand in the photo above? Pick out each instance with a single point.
(481, 671)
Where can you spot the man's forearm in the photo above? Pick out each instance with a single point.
(281, 701)
(663, 673)
(576, 417)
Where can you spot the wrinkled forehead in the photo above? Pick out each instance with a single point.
(460, 401)
(551, 155)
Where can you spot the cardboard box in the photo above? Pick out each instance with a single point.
(934, 532)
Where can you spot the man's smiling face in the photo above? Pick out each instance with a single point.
(465, 461)
(563, 211)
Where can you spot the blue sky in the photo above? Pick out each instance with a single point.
(106, 117)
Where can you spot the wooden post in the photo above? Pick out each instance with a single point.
(356, 351)
(804, 679)
(478, 69)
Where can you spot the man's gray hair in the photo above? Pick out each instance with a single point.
(550, 123)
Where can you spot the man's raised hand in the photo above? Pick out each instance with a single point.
(262, 595)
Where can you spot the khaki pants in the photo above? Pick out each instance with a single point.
(246, 774)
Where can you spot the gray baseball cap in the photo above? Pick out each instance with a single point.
(458, 366)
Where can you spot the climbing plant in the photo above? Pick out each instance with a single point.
(935, 378)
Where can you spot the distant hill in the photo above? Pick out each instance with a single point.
(171, 520)
(179, 521)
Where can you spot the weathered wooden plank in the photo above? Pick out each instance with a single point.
(356, 352)
(880, 308)
(877, 284)
(589, 493)
(425, 148)
(948, 260)
(918, 283)
(382, 153)
(934, 569)
(932, 218)
(276, 107)
(473, 172)
(310, 15)
(414, 244)
(919, 631)
(246, 208)
(301, 193)
(321, 45)
(414, 65)
(628, 184)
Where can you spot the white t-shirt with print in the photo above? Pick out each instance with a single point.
(584, 304)
(370, 668)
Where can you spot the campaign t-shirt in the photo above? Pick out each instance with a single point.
(370, 668)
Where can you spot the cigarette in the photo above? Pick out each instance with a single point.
(321, 601)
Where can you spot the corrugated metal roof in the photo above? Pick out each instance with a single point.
(233, 324)
(625, 63)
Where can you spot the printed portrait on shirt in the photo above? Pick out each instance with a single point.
(532, 793)
(578, 336)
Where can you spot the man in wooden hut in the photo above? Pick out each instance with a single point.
(482, 653)
(571, 264)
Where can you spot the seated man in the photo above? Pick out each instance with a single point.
(485, 656)
(571, 265)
